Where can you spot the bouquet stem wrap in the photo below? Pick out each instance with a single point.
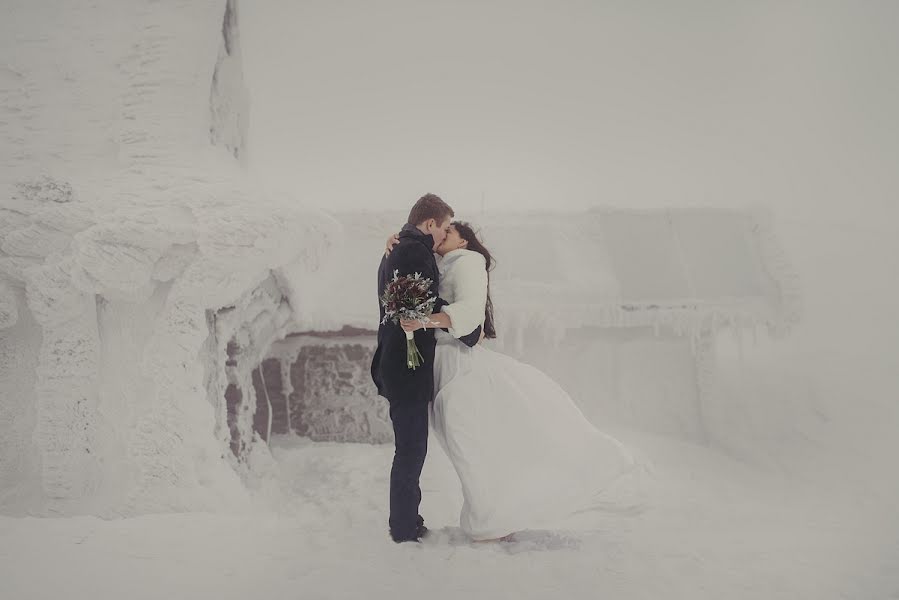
(413, 356)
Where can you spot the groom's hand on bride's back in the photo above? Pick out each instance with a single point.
(392, 241)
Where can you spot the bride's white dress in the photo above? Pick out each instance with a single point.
(525, 454)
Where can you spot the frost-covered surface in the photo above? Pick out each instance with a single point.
(125, 236)
(683, 270)
(228, 98)
(700, 525)
(121, 227)
(243, 333)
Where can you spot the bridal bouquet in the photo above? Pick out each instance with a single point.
(408, 297)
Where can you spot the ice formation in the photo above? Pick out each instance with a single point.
(124, 230)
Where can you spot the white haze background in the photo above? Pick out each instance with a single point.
(528, 105)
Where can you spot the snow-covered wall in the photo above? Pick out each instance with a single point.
(124, 222)
(229, 97)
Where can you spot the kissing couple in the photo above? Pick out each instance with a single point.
(526, 456)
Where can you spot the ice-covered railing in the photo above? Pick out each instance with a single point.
(690, 271)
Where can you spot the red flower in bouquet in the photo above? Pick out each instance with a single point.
(408, 297)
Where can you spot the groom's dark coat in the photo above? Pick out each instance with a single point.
(408, 390)
(394, 380)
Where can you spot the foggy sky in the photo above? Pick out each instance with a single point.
(526, 104)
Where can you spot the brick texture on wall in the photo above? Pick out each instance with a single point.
(321, 388)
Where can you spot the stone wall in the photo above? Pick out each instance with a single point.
(320, 387)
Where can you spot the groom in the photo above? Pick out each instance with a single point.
(410, 390)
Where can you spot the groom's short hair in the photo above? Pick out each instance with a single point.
(430, 206)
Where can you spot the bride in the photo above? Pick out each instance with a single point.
(525, 454)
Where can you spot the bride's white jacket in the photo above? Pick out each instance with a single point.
(463, 283)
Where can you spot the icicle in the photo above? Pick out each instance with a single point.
(287, 386)
(781, 270)
(268, 401)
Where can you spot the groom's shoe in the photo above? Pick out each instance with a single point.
(420, 527)
(400, 539)
(420, 532)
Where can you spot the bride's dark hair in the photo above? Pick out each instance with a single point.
(468, 234)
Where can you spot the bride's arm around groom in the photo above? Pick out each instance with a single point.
(465, 287)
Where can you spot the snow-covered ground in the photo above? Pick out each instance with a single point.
(703, 526)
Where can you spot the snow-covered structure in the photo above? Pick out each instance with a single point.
(159, 317)
(125, 224)
(620, 306)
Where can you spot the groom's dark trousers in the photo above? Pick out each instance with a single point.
(408, 390)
